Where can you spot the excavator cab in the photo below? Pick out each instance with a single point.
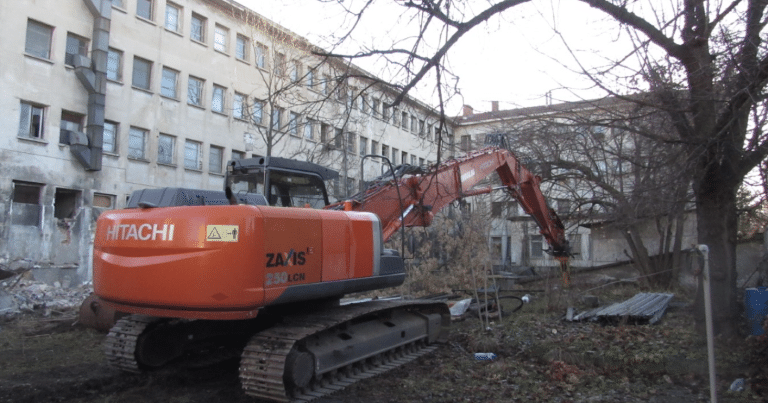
(283, 182)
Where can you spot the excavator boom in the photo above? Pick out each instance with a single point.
(412, 200)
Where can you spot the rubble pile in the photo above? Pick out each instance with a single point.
(22, 295)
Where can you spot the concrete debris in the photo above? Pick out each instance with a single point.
(640, 309)
(21, 294)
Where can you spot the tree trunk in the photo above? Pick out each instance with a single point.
(716, 227)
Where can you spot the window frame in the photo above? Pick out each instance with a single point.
(223, 91)
(309, 124)
(202, 28)
(30, 48)
(219, 169)
(242, 115)
(148, 73)
(198, 159)
(131, 150)
(220, 38)
(164, 81)
(293, 123)
(40, 125)
(241, 41)
(261, 51)
(119, 70)
(82, 48)
(276, 117)
(171, 161)
(150, 10)
(200, 95)
(257, 111)
(179, 15)
(115, 136)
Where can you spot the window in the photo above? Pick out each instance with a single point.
(165, 147)
(197, 28)
(276, 113)
(103, 200)
(38, 39)
(421, 162)
(238, 155)
(537, 246)
(563, 207)
(217, 100)
(109, 138)
(295, 72)
(220, 35)
(142, 70)
(414, 124)
(137, 139)
(66, 202)
(326, 83)
(258, 112)
(503, 209)
(374, 147)
(309, 129)
(413, 159)
(70, 122)
(310, 78)
(214, 159)
(404, 158)
(338, 137)
(395, 153)
(404, 120)
(351, 142)
(279, 65)
(114, 65)
(363, 145)
(26, 204)
(144, 9)
(241, 48)
(375, 108)
(261, 56)
(238, 106)
(76, 45)
(118, 3)
(325, 132)
(195, 91)
(574, 241)
(421, 127)
(496, 248)
(192, 155)
(169, 83)
(466, 143)
(31, 121)
(293, 124)
(172, 13)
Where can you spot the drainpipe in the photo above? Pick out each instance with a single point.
(704, 250)
(93, 76)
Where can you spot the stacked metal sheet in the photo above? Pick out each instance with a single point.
(641, 309)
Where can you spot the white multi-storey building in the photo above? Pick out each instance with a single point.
(103, 97)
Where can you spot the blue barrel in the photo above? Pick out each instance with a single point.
(756, 306)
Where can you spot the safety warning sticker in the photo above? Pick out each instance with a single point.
(222, 233)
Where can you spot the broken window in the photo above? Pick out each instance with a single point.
(103, 200)
(26, 208)
(66, 203)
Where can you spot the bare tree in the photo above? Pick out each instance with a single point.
(599, 159)
(706, 64)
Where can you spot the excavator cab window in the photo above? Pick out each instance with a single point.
(250, 182)
(294, 189)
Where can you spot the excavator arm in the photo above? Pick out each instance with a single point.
(413, 199)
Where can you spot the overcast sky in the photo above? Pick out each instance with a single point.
(509, 59)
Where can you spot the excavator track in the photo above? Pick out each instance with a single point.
(120, 344)
(279, 363)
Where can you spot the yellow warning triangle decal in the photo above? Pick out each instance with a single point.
(214, 234)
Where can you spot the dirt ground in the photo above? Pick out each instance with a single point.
(539, 358)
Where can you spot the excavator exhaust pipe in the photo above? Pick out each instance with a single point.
(95, 314)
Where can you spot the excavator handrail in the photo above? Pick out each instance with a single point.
(424, 194)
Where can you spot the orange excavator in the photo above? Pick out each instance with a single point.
(256, 271)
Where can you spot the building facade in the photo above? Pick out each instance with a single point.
(106, 97)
